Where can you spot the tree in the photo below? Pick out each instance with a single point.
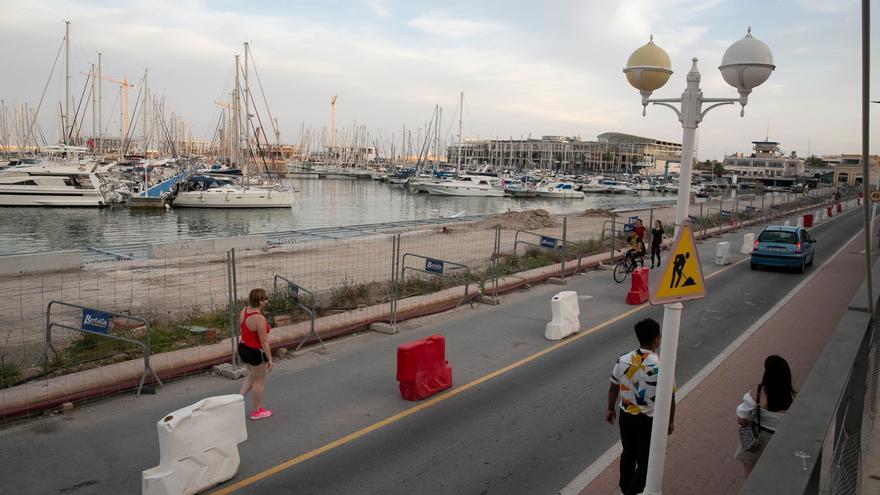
(718, 168)
(814, 161)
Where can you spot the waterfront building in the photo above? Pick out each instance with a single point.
(611, 152)
(847, 168)
(766, 161)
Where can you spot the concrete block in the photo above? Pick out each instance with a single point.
(181, 249)
(566, 316)
(556, 281)
(492, 301)
(722, 253)
(229, 371)
(198, 447)
(29, 263)
(383, 328)
(748, 243)
(239, 243)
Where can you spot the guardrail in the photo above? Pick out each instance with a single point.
(819, 445)
(293, 291)
(98, 322)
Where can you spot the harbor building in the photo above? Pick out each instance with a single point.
(766, 161)
(847, 168)
(611, 152)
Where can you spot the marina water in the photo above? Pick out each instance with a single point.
(319, 203)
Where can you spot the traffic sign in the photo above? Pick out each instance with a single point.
(682, 276)
(875, 196)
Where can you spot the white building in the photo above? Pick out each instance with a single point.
(766, 161)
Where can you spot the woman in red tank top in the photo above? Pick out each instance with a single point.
(254, 350)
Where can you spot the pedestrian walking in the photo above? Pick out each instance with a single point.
(639, 229)
(656, 242)
(634, 382)
(254, 350)
(764, 410)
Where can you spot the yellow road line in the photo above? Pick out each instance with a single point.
(434, 400)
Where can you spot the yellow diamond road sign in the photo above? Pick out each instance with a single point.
(681, 276)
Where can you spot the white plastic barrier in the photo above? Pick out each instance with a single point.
(722, 253)
(800, 221)
(566, 316)
(820, 215)
(748, 243)
(787, 223)
(198, 447)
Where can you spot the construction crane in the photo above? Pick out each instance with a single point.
(123, 102)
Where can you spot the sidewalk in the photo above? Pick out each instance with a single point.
(699, 456)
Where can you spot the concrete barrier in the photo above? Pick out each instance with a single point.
(566, 316)
(239, 243)
(748, 243)
(198, 247)
(722, 253)
(198, 447)
(181, 249)
(41, 262)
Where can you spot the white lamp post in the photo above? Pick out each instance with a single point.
(746, 64)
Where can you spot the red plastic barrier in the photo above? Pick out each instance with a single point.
(808, 220)
(422, 369)
(829, 211)
(839, 207)
(859, 201)
(638, 289)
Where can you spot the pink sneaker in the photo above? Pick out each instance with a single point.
(261, 414)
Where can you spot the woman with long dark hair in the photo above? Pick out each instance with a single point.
(775, 395)
(656, 242)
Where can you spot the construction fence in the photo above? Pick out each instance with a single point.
(182, 303)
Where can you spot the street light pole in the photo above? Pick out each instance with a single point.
(745, 65)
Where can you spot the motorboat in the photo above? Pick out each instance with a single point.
(203, 191)
(466, 185)
(617, 187)
(559, 190)
(39, 182)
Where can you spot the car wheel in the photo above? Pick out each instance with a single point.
(754, 266)
(803, 267)
(812, 258)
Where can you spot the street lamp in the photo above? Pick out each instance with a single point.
(746, 64)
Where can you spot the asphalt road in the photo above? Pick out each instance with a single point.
(529, 430)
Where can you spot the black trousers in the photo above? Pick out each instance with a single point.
(635, 435)
(655, 251)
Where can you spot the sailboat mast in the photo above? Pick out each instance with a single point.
(460, 112)
(236, 124)
(94, 106)
(68, 126)
(145, 109)
(100, 100)
(247, 104)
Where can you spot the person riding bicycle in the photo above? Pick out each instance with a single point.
(637, 249)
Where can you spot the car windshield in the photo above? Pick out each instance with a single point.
(778, 236)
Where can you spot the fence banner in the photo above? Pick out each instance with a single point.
(433, 266)
(548, 242)
(95, 321)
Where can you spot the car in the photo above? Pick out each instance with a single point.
(784, 246)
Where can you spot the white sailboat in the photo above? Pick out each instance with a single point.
(228, 194)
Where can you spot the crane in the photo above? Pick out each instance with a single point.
(123, 102)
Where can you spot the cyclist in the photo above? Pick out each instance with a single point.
(636, 251)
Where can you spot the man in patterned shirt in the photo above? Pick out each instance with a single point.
(634, 382)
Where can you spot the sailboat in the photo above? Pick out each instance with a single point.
(205, 191)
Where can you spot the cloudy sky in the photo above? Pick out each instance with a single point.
(525, 67)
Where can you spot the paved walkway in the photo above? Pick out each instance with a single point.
(700, 451)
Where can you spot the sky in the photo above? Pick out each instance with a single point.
(525, 68)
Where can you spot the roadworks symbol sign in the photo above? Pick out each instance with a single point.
(681, 276)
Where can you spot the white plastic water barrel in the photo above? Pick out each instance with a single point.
(566, 316)
(748, 243)
(198, 447)
(722, 253)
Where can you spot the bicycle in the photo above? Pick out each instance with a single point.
(624, 267)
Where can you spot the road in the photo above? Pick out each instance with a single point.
(530, 427)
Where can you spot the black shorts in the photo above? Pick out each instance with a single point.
(251, 356)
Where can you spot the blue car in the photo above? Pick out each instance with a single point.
(784, 246)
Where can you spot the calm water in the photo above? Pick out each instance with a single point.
(320, 203)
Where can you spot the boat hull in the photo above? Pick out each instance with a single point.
(251, 198)
(439, 190)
